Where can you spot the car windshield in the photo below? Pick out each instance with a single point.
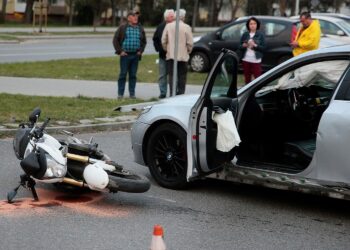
(344, 25)
(324, 74)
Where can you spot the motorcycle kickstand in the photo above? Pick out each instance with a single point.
(26, 181)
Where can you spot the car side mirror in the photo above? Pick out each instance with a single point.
(218, 35)
(34, 116)
(340, 33)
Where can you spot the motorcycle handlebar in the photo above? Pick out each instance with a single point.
(38, 132)
(45, 124)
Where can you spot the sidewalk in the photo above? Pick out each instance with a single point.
(73, 88)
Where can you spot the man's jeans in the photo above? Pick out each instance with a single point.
(128, 64)
(163, 88)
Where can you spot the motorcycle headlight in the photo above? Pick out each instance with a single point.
(54, 169)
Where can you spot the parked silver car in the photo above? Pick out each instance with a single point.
(293, 123)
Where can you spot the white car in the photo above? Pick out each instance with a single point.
(333, 27)
(293, 123)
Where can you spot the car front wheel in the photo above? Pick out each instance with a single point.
(167, 156)
(199, 62)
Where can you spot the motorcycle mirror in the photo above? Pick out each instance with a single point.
(34, 116)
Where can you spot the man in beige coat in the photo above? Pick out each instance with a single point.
(184, 49)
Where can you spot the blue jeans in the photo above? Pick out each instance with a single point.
(128, 64)
(163, 72)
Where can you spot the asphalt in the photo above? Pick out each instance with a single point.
(74, 88)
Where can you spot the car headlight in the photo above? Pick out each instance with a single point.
(145, 110)
(54, 169)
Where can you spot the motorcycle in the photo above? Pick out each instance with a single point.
(70, 162)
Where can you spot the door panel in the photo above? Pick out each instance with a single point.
(220, 90)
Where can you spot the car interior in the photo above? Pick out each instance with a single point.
(280, 120)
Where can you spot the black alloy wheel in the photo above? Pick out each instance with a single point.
(167, 156)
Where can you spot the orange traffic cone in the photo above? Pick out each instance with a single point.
(157, 238)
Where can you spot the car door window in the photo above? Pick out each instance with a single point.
(223, 79)
(234, 32)
(329, 28)
(272, 29)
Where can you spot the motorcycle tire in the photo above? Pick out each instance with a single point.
(127, 181)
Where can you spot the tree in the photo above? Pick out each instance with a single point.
(195, 11)
(28, 13)
(214, 9)
(3, 11)
(113, 6)
(235, 4)
(71, 5)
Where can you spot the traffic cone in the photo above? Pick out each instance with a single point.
(157, 238)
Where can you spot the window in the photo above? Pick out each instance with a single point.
(234, 32)
(329, 28)
(224, 77)
(272, 29)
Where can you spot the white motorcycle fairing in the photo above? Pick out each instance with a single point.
(57, 163)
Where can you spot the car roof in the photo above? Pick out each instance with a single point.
(321, 17)
(277, 18)
(338, 15)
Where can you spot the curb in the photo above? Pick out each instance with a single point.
(113, 126)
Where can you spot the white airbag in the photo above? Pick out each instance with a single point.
(228, 136)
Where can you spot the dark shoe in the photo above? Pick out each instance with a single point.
(120, 97)
(162, 96)
(132, 97)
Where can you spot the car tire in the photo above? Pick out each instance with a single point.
(199, 62)
(167, 156)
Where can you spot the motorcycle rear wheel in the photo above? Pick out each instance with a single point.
(127, 181)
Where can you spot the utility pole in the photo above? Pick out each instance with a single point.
(41, 16)
(176, 46)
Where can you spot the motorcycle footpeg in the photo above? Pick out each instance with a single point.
(116, 165)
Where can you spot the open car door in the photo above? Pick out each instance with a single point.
(219, 93)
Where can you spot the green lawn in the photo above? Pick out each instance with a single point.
(103, 68)
(15, 108)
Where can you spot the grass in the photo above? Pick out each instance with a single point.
(103, 68)
(8, 37)
(16, 108)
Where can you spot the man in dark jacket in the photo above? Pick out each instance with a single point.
(169, 15)
(129, 42)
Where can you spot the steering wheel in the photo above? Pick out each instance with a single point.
(301, 102)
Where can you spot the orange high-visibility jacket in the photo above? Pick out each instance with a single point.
(308, 39)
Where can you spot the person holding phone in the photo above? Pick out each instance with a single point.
(252, 46)
(308, 36)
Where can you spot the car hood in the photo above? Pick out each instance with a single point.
(175, 109)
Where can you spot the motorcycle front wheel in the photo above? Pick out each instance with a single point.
(126, 181)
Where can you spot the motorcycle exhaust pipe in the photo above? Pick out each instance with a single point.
(74, 182)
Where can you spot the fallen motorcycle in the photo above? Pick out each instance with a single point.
(71, 162)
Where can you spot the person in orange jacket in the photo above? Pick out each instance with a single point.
(308, 36)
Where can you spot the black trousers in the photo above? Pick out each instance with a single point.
(181, 76)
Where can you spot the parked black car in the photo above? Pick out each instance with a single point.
(279, 32)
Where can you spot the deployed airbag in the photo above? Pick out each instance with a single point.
(228, 136)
